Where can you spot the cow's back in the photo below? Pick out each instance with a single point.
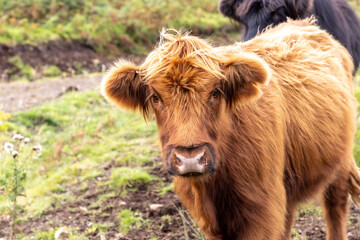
(312, 78)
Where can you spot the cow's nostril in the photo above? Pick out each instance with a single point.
(202, 160)
(178, 161)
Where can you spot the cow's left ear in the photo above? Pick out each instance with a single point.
(124, 86)
(246, 74)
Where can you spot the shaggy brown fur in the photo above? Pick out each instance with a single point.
(276, 113)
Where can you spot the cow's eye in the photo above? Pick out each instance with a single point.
(215, 93)
(155, 98)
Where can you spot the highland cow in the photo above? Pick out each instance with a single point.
(334, 16)
(250, 130)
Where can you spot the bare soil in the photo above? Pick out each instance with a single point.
(75, 57)
(24, 95)
(90, 208)
(17, 96)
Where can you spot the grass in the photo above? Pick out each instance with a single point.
(190, 226)
(356, 151)
(128, 178)
(21, 69)
(309, 210)
(128, 26)
(129, 220)
(50, 71)
(111, 28)
(68, 130)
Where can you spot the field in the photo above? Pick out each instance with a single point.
(45, 38)
(99, 173)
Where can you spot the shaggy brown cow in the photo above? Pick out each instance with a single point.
(251, 130)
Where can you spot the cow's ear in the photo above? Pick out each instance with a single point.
(245, 74)
(227, 8)
(299, 9)
(124, 86)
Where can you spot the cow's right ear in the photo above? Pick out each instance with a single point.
(124, 86)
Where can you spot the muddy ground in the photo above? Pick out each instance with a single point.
(165, 222)
(76, 57)
(82, 213)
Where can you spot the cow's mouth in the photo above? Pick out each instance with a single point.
(191, 174)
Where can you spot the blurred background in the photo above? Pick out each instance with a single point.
(42, 38)
(73, 166)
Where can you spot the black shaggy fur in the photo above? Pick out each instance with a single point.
(335, 16)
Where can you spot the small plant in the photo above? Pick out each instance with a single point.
(124, 177)
(309, 210)
(24, 70)
(51, 71)
(166, 189)
(296, 235)
(13, 177)
(3, 118)
(130, 220)
(190, 225)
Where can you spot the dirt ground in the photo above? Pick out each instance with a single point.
(17, 96)
(164, 223)
(24, 95)
(83, 213)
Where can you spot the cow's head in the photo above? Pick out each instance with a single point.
(192, 88)
(256, 15)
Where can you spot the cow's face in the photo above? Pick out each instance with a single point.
(192, 97)
(256, 15)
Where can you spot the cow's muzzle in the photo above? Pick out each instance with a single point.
(191, 161)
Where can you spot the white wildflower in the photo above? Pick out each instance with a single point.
(18, 137)
(37, 148)
(14, 154)
(26, 140)
(8, 147)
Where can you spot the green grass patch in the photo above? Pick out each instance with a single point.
(79, 134)
(309, 210)
(21, 69)
(111, 26)
(51, 71)
(49, 235)
(356, 150)
(45, 235)
(166, 189)
(129, 220)
(123, 178)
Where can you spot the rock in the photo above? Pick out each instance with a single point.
(155, 206)
(120, 236)
(61, 233)
(84, 209)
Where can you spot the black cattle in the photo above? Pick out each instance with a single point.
(335, 16)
